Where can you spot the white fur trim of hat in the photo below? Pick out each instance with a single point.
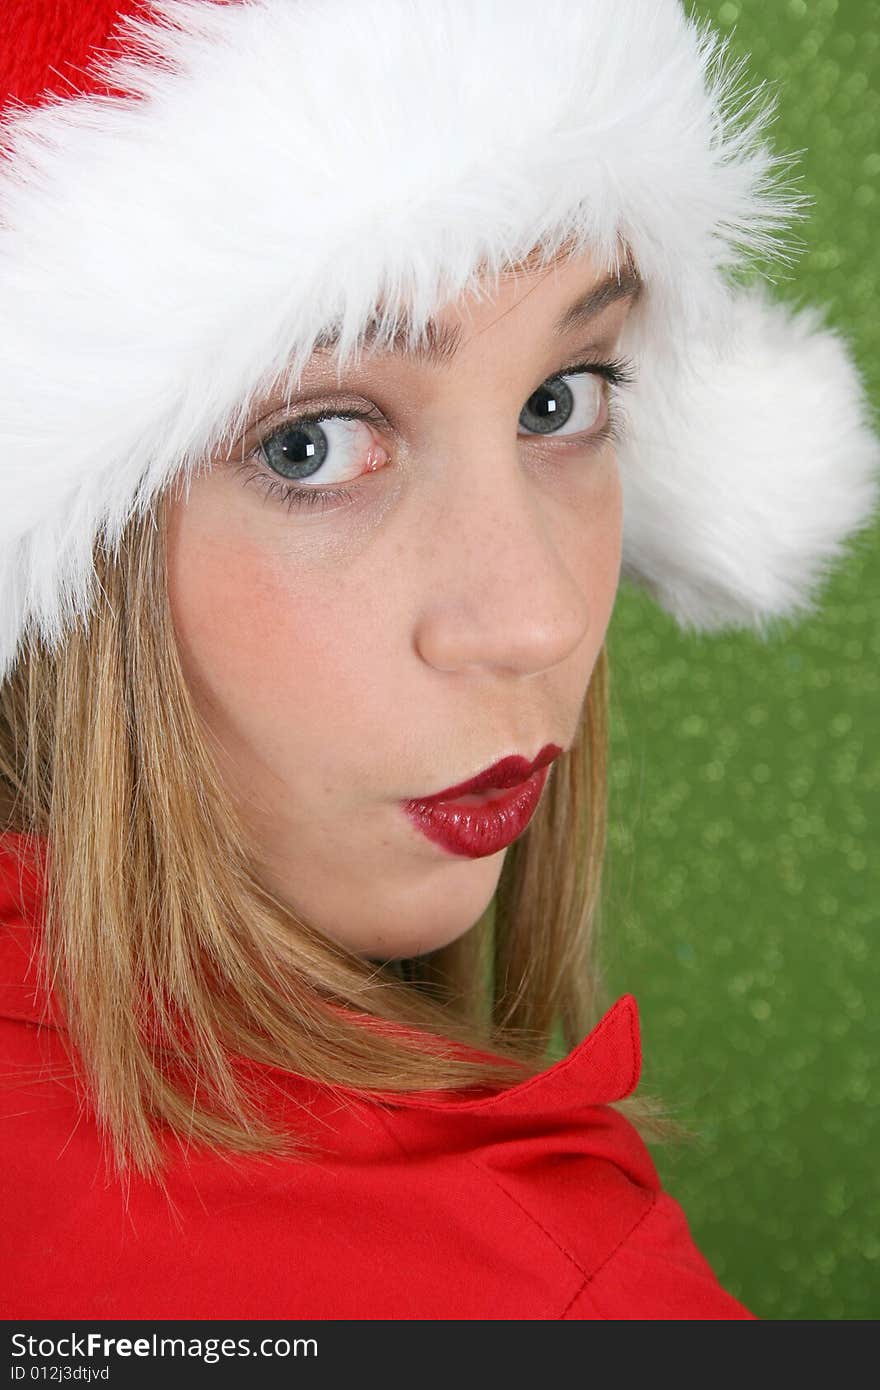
(260, 171)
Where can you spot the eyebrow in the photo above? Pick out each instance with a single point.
(442, 341)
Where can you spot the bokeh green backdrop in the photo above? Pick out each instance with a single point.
(742, 901)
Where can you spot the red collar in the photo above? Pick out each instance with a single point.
(604, 1067)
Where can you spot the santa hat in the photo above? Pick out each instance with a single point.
(192, 192)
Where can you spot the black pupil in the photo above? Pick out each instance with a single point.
(297, 451)
(548, 407)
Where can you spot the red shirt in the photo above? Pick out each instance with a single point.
(534, 1202)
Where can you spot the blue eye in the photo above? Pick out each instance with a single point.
(302, 446)
(305, 442)
(555, 404)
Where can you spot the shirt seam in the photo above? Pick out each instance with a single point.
(611, 1254)
(530, 1216)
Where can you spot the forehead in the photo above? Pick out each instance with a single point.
(439, 341)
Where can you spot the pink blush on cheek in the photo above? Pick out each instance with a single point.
(234, 618)
(263, 639)
(225, 601)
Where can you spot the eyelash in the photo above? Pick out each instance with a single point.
(617, 372)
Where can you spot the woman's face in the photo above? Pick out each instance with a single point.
(348, 654)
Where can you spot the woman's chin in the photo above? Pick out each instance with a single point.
(408, 947)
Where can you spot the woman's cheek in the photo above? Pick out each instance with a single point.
(284, 672)
(231, 613)
(594, 536)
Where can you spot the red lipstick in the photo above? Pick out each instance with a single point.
(488, 812)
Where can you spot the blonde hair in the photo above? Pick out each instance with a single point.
(172, 962)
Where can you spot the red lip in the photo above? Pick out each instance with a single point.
(507, 772)
(479, 829)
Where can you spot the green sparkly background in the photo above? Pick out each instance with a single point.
(743, 890)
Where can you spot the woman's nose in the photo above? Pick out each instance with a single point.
(499, 590)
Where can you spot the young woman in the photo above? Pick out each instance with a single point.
(351, 353)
